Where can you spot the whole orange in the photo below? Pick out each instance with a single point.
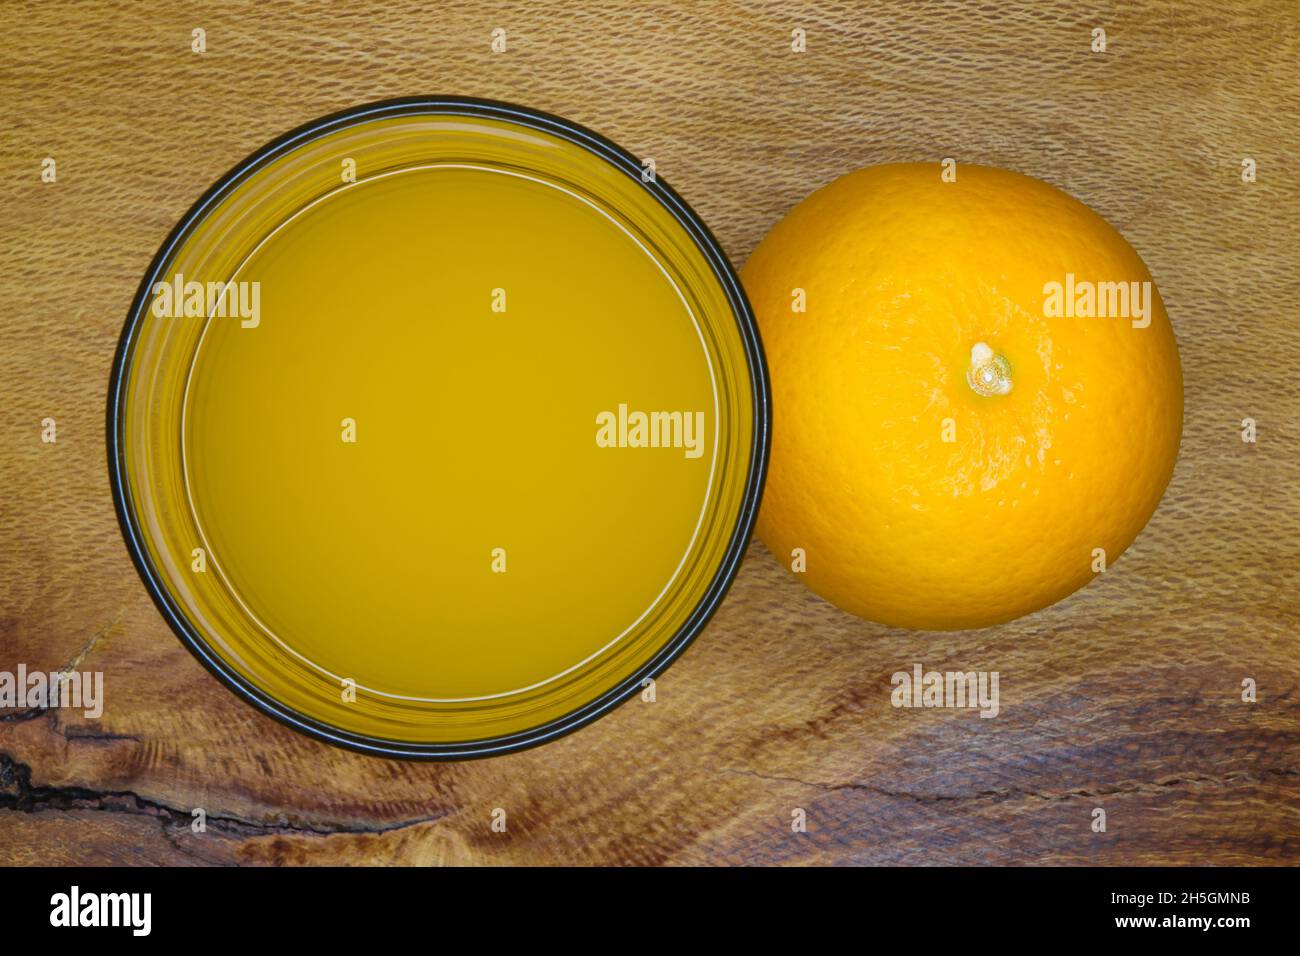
(977, 398)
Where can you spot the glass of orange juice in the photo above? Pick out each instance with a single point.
(438, 427)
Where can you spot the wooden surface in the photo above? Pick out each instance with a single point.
(1126, 696)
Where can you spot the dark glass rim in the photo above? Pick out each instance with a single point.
(757, 471)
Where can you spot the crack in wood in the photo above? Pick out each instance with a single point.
(19, 794)
(1014, 793)
(94, 640)
(69, 732)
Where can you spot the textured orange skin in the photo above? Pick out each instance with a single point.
(903, 274)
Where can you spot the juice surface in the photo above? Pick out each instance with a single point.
(500, 517)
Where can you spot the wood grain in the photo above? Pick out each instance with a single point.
(1126, 696)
